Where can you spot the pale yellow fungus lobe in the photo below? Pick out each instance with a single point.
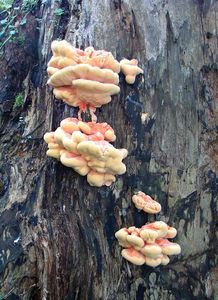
(102, 157)
(54, 148)
(133, 256)
(70, 125)
(121, 236)
(151, 250)
(76, 162)
(135, 241)
(159, 227)
(148, 235)
(67, 75)
(171, 232)
(152, 262)
(130, 69)
(63, 55)
(165, 260)
(99, 179)
(169, 248)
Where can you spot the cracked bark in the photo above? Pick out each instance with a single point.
(57, 233)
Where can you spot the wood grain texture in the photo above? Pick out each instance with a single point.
(56, 232)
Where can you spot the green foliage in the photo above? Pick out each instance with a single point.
(10, 24)
(19, 101)
(5, 5)
(59, 12)
(23, 21)
(29, 5)
(20, 39)
(2, 297)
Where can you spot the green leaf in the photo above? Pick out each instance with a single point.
(3, 22)
(19, 101)
(23, 21)
(7, 6)
(59, 12)
(12, 32)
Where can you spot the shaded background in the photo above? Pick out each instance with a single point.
(56, 232)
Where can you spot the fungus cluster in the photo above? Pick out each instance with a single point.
(149, 244)
(83, 78)
(85, 147)
(130, 69)
(87, 79)
(146, 203)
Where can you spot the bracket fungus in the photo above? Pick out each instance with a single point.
(149, 244)
(64, 54)
(133, 256)
(83, 78)
(94, 131)
(87, 78)
(146, 203)
(130, 69)
(85, 147)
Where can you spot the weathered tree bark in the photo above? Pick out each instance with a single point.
(56, 232)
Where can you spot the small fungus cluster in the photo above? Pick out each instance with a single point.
(146, 203)
(83, 78)
(149, 244)
(130, 69)
(85, 147)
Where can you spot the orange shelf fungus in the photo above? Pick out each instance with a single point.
(99, 179)
(102, 131)
(54, 149)
(146, 203)
(70, 125)
(102, 157)
(87, 78)
(165, 260)
(100, 58)
(130, 69)
(149, 244)
(152, 262)
(133, 256)
(85, 147)
(171, 232)
(94, 131)
(63, 55)
(135, 241)
(148, 235)
(158, 227)
(83, 78)
(121, 236)
(168, 248)
(78, 163)
(151, 250)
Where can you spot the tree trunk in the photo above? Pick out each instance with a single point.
(57, 232)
